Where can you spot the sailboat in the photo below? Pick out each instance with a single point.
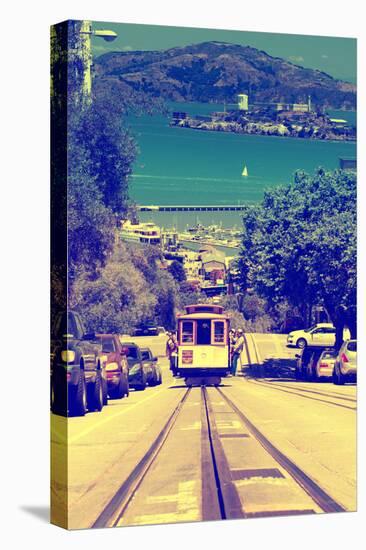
(245, 171)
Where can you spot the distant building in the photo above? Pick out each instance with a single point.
(295, 107)
(213, 266)
(300, 107)
(243, 102)
(169, 239)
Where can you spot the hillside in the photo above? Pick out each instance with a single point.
(217, 72)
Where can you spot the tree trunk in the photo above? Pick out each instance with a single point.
(339, 320)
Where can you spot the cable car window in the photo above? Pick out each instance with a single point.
(203, 333)
(219, 332)
(187, 332)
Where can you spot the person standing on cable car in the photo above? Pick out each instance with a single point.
(238, 348)
(171, 351)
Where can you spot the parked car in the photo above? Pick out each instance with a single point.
(322, 334)
(78, 379)
(308, 365)
(116, 366)
(154, 377)
(147, 330)
(325, 364)
(345, 366)
(138, 370)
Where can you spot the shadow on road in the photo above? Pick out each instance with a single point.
(277, 369)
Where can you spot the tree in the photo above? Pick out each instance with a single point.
(299, 244)
(128, 291)
(176, 269)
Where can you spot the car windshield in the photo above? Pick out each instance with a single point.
(310, 329)
(329, 355)
(145, 355)
(131, 352)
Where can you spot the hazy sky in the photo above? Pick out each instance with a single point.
(336, 56)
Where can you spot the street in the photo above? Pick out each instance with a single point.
(260, 444)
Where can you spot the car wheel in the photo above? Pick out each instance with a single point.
(155, 379)
(338, 377)
(59, 398)
(126, 387)
(77, 397)
(301, 343)
(95, 401)
(119, 392)
(105, 392)
(141, 387)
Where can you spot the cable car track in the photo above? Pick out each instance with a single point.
(298, 390)
(115, 508)
(220, 484)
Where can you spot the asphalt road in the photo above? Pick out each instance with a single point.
(312, 424)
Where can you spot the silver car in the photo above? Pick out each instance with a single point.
(325, 364)
(345, 366)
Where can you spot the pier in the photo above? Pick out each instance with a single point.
(191, 208)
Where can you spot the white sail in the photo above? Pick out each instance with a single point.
(245, 171)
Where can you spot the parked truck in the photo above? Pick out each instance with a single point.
(78, 379)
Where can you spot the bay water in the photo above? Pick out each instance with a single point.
(178, 166)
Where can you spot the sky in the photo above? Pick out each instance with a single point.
(333, 55)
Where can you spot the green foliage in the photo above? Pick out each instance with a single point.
(177, 271)
(123, 294)
(97, 135)
(299, 244)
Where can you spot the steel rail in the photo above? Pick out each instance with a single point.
(228, 497)
(317, 494)
(297, 391)
(115, 508)
(294, 391)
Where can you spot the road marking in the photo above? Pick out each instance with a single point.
(195, 426)
(262, 480)
(231, 425)
(187, 506)
(108, 418)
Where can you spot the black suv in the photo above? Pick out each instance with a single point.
(78, 380)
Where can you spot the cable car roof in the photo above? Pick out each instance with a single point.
(195, 316)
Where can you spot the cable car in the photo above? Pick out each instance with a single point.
(203, 344)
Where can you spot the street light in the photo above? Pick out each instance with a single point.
(86, 31)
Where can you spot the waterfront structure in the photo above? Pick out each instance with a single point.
(243, 102)
(141, 233)
(191, 208)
